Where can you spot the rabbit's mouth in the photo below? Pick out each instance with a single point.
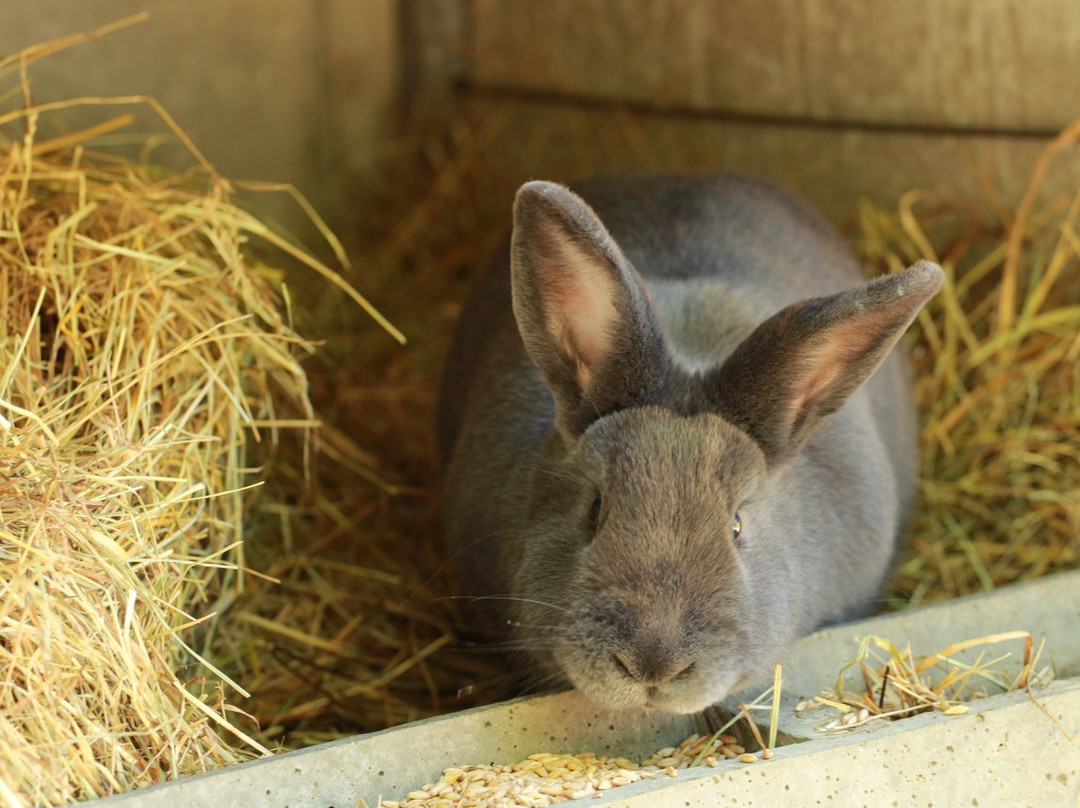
(692, 696)
(609, 682)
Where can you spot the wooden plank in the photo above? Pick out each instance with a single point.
(362, 84)
(1005, 65)
(230, 73)
(433, 50)
(831, 167)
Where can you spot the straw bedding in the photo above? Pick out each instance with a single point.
(997, 383)
(149, 381)
(138, 362)
(143, 356)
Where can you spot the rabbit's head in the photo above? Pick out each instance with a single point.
(663, 544)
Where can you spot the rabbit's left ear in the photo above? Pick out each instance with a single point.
(582, 310)
(804, 362)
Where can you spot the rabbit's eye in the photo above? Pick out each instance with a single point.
(736, 527)
(594, 514)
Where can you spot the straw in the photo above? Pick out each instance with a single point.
(895, 682)
(996, 354)
(144, 358)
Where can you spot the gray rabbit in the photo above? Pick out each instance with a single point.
(661, 461)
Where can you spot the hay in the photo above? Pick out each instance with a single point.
(363, 632)
(143, 357)
(998, 386)
(896, 683)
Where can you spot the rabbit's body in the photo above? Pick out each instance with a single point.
(594, 478)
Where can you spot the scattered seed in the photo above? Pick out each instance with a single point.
(544, 779)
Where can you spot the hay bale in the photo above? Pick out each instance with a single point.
(142, 355)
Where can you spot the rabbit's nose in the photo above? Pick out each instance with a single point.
(652, 666)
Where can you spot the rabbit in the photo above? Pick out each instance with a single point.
(666, 451)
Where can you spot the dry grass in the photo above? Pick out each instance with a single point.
(362, 631)
(998, 385)
(143, 357)
(896, 683)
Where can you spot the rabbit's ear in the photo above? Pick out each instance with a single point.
(805, 361)
(583, 313)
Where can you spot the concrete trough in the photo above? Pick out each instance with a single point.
(1007, 750)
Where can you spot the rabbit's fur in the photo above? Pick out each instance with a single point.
(625, 397)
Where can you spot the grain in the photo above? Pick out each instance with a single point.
(546, 778)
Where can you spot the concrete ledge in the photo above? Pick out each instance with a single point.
(398, 760)
(1047, 608)
(1004, 751)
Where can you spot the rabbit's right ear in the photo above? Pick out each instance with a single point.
(582, 310)
(804, 362)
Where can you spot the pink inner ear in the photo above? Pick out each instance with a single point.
(833, 360)
(817, 381)
(580, 312)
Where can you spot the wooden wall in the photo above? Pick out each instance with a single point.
(1004, 65)
(837, 98)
